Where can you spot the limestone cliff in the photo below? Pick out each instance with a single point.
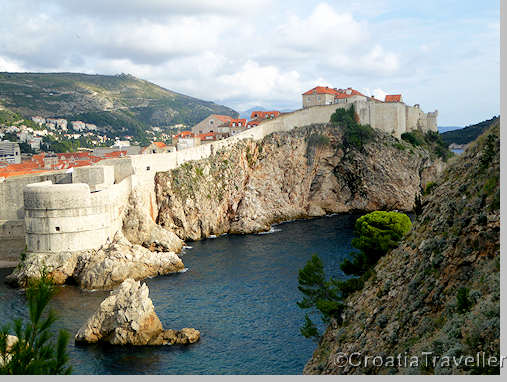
(309, 171)
(437, 292)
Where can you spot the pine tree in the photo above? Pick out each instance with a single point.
(34, 352)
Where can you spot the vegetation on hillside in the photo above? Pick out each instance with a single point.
(431, 141)
(439, 290)
(377, 233)
(468, 133)
(35, 351)
(120, 102)
(355, 135)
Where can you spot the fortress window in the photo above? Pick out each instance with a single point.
(57, 229)
(147, 168)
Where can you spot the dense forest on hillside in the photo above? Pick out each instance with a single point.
(468, 133)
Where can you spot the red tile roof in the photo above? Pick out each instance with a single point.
(223, 118)
(184, 134)
(48, 162)
(160, 145)
(241, 121)
(339, 93)
(258, 114)
(321, 90)
(393, 98)
(211, 136)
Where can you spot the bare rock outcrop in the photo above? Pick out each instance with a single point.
(121, 260)
(59, 266)
(127, 317)
(101, 269)
(139, 225)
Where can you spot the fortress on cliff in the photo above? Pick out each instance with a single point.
(82, 208)
(391, 115)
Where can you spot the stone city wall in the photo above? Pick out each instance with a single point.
(68, 217)
(86, 208)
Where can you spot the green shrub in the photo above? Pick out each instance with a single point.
(412, 138)
(319, 295)
(377, 233)
(430, 186)
(309, 330)
(318, 140)
(463, 301)
(488, 151)
(355, 135)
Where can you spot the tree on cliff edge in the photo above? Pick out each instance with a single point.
(376, 234)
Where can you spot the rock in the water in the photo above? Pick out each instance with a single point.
(104, 268)
(10, 341)
(127, 317)
(182, 337)
(59, 266)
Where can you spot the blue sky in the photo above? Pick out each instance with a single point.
(443, 55)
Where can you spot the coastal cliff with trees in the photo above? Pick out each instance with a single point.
(311, 171)
(339, 167)
(438, 292)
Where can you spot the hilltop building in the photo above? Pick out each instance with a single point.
(391, 115)
(210, 124)
(10, 152)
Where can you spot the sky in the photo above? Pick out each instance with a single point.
(441, 54)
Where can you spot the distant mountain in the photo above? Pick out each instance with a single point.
(443, 129)
(122, 102)
(468, 133)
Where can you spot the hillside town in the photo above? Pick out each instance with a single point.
(13, 162)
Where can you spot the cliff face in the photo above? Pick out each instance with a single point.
(439, 290)
(310, 171)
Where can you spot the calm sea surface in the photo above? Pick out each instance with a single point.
(239, 291)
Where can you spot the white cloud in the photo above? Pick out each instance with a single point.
(260, 51)
(7, 65)
(323, 28)
(377, 93)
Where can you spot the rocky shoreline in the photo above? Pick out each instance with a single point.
(102, 269)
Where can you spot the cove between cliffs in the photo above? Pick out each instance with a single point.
(239, 290)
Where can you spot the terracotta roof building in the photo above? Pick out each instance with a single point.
(211, 123)
(324, 95)
(393, 98)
